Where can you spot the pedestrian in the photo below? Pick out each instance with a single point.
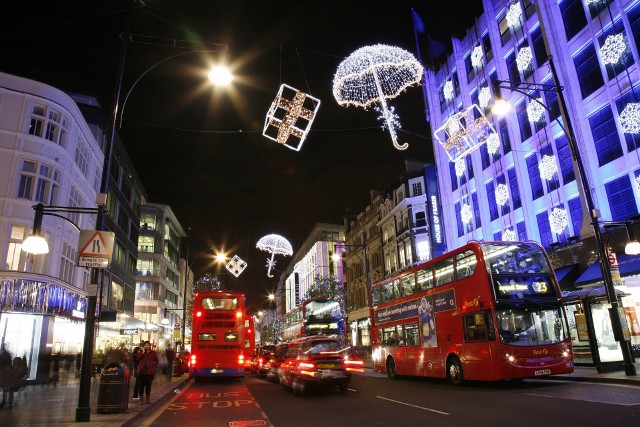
(170, 354)
(5, 372)
(147, 366)
(134, 357)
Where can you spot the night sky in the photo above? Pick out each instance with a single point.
(200, 149)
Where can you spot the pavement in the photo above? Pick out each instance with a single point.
(55, 405)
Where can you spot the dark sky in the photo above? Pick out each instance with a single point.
(200, 149)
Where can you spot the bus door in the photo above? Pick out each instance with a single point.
(479, 348)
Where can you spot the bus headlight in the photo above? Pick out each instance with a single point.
(511, 358)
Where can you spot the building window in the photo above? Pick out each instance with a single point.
(504, 136)
(523, 121)
(484, 156)
(521, 229)
(566, 160)
(459, 219)
(82, 156)
(544, 228)
(36, 123)
(622, 201)
(551, 101)
(512, 68)
(605, 136)
(454, 177)
(14, 251)
(575, 212)
(491, 198)
(537, 190)
(75, 200)
(120, 255)
(117, 296)
(513, 189)
(539, 50)
(416, 189)
(42, 186)
(634, 23)
(67, 263)
(27, 178)
(505, 31)
(51, 124)
(573, 17)
(476, 209)
(486, 45)
(588, 70)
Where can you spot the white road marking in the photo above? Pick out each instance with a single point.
(584, 400)
(414, 406)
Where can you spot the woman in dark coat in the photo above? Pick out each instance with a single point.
(147, 365)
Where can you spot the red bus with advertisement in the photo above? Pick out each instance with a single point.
(219, 331)
(317, 316)
(486, 311)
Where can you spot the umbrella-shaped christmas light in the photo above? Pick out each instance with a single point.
(373, 74)
(275, 245)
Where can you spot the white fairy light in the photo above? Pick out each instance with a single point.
(638, 183)
(460, 167)
(548, 167)
(465, 213)
(613, 49)
(502, 194)
(484, 96)
(508, 235)
(590, 2)
(463, 132)
(514, 14)
(493, 143)
(448, 89)
(236, 266)
(477, 56)
(524, 58)
(535, 110)
(630, 118)
(559, 220)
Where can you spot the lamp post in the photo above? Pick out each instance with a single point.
(584, 189)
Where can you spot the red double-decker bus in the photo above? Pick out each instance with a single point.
(316, 316)
(486, 311)
(219, 331)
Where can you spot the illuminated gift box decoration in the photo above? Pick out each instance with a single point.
(290, 117)
(236, 266)
(463, 133)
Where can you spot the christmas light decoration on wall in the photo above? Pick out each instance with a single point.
(559, 220)
(463, 133)
(236, 266)
(476, 56)
(612, 49)
(493, 143)
(484, 96)
(630, 118)
(508, 235)
(460, 167)
(290, 117)
(514, 14)
(502, 194)
(548, 167)
(535, 110)
(373, 74)
(465, 213)
(524, 58)
(275, 245)
(638, 183)
(447, 91)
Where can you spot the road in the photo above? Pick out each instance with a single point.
(374, 400)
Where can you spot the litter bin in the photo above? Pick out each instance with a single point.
(178, 368)
(113, 391)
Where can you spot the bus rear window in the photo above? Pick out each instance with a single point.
(206, 337)
(219, 303)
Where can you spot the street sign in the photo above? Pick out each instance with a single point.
(95, 248)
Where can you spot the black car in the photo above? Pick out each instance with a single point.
(314, 362)
(264, 354)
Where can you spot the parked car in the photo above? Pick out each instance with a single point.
(272, 365)
(314, 362)
(264, 353)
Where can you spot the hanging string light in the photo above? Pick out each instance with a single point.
(535, 110)
(508, 235)
(448, 89)
(484, 96)
(493, 143)
(559, 220)
(524, 58)
(630, 118)
(465, 213)
(463, 132)
(476, 56)
(502, 194)
(514, 14)
(548, 167)
(613, 48)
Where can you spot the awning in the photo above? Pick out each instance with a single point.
(581, 294)
(628, 265)
(566, 276)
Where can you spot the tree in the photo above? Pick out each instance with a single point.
(208, 283)
(328, 287)
(266, 326)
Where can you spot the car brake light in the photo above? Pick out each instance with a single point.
(307, 368)
(354, 365)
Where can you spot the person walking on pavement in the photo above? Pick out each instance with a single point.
(134, 358)
(147, 366)
(170, 354)
(5, 372)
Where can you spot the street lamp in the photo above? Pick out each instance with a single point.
(583, 187)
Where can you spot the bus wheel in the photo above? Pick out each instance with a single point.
(391, 369)
(454, 371)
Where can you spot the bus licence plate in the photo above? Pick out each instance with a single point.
(217, 371)
(543, 372)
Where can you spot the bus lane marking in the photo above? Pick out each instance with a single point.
(413, 406)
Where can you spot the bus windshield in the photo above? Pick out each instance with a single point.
(526, 327)
(514, 258)
(219, 303)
